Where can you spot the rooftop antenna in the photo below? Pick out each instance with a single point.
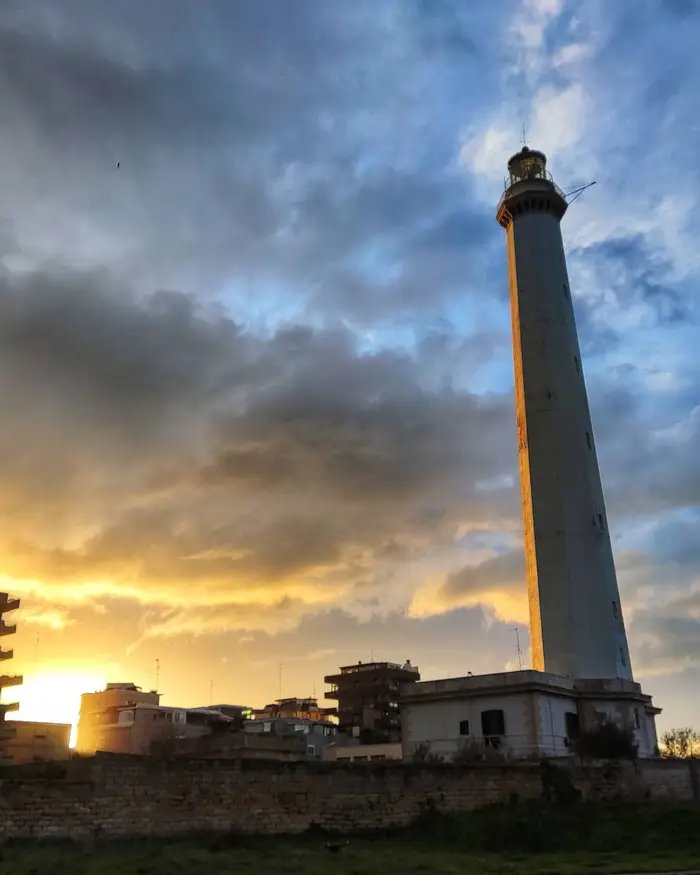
(157, 673)
(524, 140)
(517, 640)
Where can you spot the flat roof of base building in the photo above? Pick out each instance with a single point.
(527, 679)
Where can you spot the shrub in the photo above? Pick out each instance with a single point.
(681, 743)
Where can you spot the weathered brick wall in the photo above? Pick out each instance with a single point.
(124, 796)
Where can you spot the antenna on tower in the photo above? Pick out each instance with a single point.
(517, 640)
(157, 673)
(577, 192)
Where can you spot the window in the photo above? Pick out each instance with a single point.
(572, 724)
(379, 756)
(636, 718)
(360, 759)
(566, 291)
(589, 441)
(342, 759)
(267, 727)
(311, 749)
(600, 522)
(577, 365)
(623, 658)
(493, 725)
(464, 727)
(615, 611)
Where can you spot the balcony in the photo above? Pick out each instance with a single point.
(6, 629)
(7, 603)
(7, 680)
(6, 707)
(543, 181)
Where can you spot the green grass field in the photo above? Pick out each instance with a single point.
(516, 839)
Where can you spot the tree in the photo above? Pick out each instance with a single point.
(683, 743)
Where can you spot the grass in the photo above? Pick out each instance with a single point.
(362, 857)
(514, 839)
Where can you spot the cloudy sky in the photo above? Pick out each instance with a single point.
(255, 364)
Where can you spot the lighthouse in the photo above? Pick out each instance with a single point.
(576, 621)
(581, 676)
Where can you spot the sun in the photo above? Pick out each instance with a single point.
(53, 695)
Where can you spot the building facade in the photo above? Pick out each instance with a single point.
(347, 754)
(141, 728)
(368, 699)
(576, 621)
(293, 709)
(100, 711)
(7, 604)
(316, 734)
(521, 714)
(32, 741)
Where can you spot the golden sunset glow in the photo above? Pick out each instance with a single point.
(54, 695)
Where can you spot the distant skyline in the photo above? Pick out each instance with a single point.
(255, 354)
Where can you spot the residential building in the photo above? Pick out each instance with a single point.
(317, 734)
(101, 709)
(346, 752)
(138, 728)
(293, 709)
(32, 741)
(238, 713)
(236, 745)
(521, 714)
(368, 699)
(7, 604)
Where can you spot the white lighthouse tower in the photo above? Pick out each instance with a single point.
(576, 622)
(581, 676)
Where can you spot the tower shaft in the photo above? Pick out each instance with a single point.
(576, 620)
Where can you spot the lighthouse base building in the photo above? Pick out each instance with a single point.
(522, 713)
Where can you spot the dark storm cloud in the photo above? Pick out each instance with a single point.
(506, 570)
(668, 640)
(254, 143)
(294, 156)
(192, 451)
(630, 272)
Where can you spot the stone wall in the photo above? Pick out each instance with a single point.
(109, 796)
